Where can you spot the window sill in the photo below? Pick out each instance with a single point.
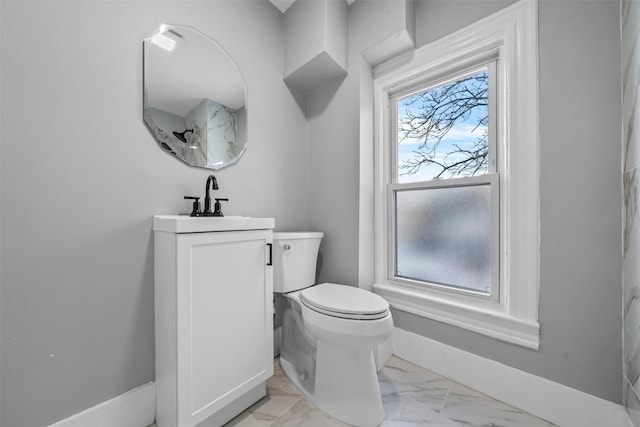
(483, 320)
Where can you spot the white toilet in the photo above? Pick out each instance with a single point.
(329, 332)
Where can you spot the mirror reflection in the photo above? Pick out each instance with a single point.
(194, 97)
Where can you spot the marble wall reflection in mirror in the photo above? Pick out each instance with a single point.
(195, 99)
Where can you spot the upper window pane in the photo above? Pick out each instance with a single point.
(443, 131)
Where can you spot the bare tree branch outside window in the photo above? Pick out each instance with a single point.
(446, 128)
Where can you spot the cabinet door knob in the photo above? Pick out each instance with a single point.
(270, 253)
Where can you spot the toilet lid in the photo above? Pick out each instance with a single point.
(344, 301)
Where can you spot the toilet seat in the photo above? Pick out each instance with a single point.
(345, 302)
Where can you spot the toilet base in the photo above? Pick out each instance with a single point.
(356, 401)
(347, 385)
(330, 360)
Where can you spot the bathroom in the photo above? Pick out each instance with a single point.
(77, 282)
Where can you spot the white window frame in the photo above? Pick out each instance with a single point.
(509, 35)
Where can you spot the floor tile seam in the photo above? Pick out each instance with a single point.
(287, 411)
(446, 396)
(632, 387)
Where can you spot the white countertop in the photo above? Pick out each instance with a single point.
(187, 224)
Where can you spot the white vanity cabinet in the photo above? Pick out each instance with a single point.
(214, 317)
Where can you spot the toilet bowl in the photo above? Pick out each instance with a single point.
(329, 332)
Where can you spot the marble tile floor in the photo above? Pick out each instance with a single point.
(412, 396)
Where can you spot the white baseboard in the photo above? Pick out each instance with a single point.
(135, 408)
(554, 402)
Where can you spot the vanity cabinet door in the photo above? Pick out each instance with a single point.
(224, 319)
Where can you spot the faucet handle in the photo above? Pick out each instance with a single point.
(196, 205)
(217, 209)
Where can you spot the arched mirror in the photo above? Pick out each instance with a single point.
(195, 99)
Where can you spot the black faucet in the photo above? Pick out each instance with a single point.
(213, 184)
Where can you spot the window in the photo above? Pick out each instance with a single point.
(456, 178)
(444, 222)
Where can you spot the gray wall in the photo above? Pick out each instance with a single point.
(334, 118)
(81, 178)
(580, 189)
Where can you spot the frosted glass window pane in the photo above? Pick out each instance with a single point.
(443, 236)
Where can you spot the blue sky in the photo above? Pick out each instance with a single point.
(464, 134)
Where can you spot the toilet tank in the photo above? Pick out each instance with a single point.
(294, 260)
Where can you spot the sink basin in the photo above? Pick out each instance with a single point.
(187, 224)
